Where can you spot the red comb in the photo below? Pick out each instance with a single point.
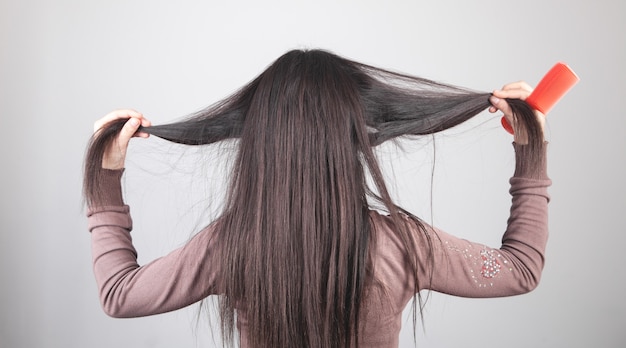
(552, 87)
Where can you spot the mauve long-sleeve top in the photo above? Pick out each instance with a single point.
(460, 267)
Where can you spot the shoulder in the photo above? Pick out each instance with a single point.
(388, 228)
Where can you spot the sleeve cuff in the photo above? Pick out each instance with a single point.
(109, 216)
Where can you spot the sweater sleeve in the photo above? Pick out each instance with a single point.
(476, 270)
(459, 267)
(127, 289)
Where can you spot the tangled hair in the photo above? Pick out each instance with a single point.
(295, 236)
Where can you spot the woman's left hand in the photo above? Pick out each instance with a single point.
(115, 156)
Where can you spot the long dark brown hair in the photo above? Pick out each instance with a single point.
(296, 241)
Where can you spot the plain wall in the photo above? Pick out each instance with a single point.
(64, 64)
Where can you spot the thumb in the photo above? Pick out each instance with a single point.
(115, 154)
(501, 105)
(128, 131)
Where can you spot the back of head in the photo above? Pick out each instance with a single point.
(297, 210)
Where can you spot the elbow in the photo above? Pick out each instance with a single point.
(117, 305)
(114, 306)
(112, 310)
(113, 314)
(526, 270)
(115, 297)
(530, 286)
(530, 279)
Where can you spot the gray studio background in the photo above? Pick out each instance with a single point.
(64, 64)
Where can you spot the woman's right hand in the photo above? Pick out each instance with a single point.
(516, 90)
(115, 154)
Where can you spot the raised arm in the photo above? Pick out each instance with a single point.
(459, 267)
(475, 270)
(464, 268)
(127, 289)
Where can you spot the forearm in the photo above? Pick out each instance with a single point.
(475, 270)
(129, 290)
